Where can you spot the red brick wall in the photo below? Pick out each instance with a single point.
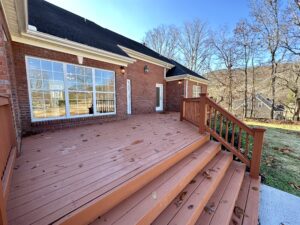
(174, 93)
(143, 88)
(7, 75)
(21, 50)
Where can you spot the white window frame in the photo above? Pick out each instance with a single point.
(66, 91)
(195, 93)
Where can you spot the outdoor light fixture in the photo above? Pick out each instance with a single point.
(122, 70)
(179, 82)
(146, 69)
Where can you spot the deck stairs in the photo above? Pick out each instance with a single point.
(201, 185)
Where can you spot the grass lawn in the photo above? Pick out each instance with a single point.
(281, 156)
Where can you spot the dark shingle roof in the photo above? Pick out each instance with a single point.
(53, 20)
(268, 102)
(181, 70)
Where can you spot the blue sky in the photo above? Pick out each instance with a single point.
(132, 18)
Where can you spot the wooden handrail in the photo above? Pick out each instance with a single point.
(7, 152)
(212, 118)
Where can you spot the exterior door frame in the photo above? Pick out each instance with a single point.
(161, 97)
(129, 102)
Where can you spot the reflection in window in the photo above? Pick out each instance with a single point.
(50, 81)
(80, 87)
(47, 88)
(105, 91)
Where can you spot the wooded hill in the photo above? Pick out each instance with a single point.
(287, 86)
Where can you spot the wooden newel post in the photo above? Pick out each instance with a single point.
(202, 113)
(258, 140)
(181, 108)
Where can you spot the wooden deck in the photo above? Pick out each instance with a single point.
(62, 172)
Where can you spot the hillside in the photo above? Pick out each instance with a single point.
(218, 86)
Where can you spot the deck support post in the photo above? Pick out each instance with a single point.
(202, 113)
(181, 108)
(258, 139)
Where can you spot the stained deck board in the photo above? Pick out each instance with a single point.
(248, 203)
(75, 172)
(156, 131)
(221, 205)
(142, 207)
(186, 209)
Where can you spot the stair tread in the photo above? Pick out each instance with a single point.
(187, 206)
(146, 204)
(247, 204)
(221, 205)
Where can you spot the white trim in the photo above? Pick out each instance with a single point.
(146, 58)
(186, 88)
(161, 97)
(187, 77)
(129, 97)
(67, 106)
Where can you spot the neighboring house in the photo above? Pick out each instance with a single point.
(71, 71)
(262, 108)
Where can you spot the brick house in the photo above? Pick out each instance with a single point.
(59, 70)
(67, 71)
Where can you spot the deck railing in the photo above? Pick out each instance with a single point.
(243, 141)
(7, 153)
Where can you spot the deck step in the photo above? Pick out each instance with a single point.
(222, 203)
(247, 204)
(114, 197)
(147, 203)
(188, 205)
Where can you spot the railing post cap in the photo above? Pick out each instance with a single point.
(259, 129)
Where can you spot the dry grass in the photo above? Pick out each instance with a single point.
(281, 156)
(291, 127)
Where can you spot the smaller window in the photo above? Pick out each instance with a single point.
(196, 91)
(259, 105)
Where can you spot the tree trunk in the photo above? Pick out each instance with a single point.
(230, 90)
(273, 83)
(253, 89)
(246, 89)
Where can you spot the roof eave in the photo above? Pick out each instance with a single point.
(42, 39)
(146, 58)
(187, 77)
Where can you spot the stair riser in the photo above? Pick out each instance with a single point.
(190, 217)
(168, 197)
(93, 210)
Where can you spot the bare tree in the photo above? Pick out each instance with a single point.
(193, 46)
(268, 19)
(164, 40)
(246, 42)
(291, 29)
(225, 54)
(290, 79)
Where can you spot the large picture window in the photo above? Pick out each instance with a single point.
(61, 90)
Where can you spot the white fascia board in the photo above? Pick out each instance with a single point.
(187, 77)
(146, 58)
(51, 39)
